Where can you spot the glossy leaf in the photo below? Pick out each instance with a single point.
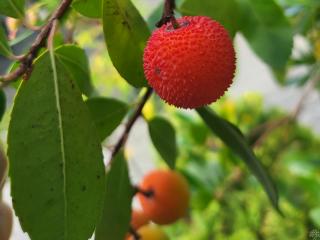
(5, 49)
(163, 136)
(233, 139)
(12, 8)
(56, 167)
(126, 34)
(116, 214)
(267, 30)
(88, 8)
(75, 61)
(224, 12)
(107, 114)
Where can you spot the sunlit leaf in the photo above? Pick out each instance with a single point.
(125, 34)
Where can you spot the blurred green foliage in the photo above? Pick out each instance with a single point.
(227, 202)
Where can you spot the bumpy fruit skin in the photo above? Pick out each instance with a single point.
(170, 198)
(6, 219)
(151, 232)
(191, 66)
(138, 219)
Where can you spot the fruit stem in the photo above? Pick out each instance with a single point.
(146, 193)
(174, 22)
(134, 233)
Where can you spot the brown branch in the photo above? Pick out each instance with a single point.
(168, 13)
(123, 138)
(27, 59)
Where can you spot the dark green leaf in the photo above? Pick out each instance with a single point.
(12, 8)
(126, 34)
(107, 114)
(88, 8)
(266, 28)
(56, 166)
(5, 49)
(75, 61)
(239, 145)
(224, 12)
(116, 214)
(2, 104)
(163, 136)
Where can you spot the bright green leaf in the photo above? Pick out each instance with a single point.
(267, 30)
(56, 167)
(5, 49)
(163, 136)
(12, 8)
(126, 34)
(75, 61)
(224, 12)
(88, 8)
(107, 114)
(116, 214)
(233, 139)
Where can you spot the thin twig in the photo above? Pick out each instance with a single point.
(267, 128)
(27, 59)
(123, 138)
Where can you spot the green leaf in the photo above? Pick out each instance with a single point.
(3, 103)
(75, 61)
(88, 8)
(12, 8)
(56, 166)
(163, 136)
(116, 214)
(5, 49)
(267, 30)
(107, 114)
(224, 12)
(233, 139)
(126, 34)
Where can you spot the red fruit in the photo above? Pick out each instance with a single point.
(190, 66)
(169, 198)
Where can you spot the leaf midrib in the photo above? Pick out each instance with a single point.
(61, 134)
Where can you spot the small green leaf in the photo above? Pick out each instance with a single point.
(163, 136)
(12, 8)
(5, 49)
(107, 114)
(233, 139)
(126, 34)
(75, 61)
(116, 214)
(267, 30)
(88, 8)
(224, 12)
(56, 166)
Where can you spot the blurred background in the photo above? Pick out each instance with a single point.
(274, 100)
